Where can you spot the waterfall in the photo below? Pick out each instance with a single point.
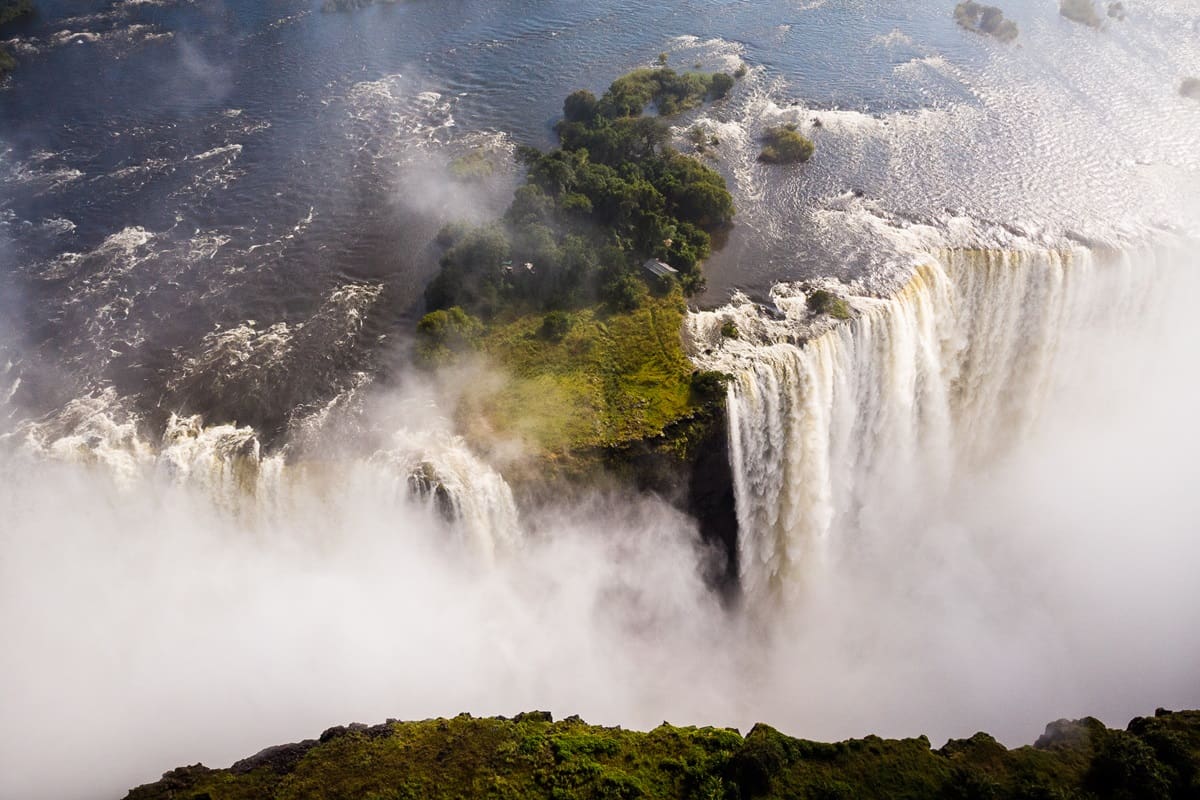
(833, 427)
(227, 465)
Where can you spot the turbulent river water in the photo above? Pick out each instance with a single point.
(970, 506)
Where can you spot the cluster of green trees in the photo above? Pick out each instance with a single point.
(593, 210)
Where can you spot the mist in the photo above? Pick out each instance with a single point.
(199, 598)
(151, 622)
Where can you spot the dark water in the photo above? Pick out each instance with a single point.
(177, 177)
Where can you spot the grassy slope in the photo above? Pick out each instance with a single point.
(611, 380)
(531, 757)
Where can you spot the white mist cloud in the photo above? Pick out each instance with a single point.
(146, 625)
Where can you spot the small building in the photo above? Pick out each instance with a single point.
(660, 269)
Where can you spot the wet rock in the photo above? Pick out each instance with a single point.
(280, 759)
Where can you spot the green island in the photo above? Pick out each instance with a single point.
(531, 756)
(784, 144)
(1081, 11)
(985, 19)
(12, 11)
(579, 292)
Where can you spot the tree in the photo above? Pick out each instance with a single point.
(580, 106)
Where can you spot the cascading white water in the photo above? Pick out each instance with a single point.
(227, 464)
(834, 429)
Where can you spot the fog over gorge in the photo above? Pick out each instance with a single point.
(241, 502)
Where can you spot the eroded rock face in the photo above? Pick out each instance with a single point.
(985, 19)
(425, 483)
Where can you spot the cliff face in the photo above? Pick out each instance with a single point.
(531, 756)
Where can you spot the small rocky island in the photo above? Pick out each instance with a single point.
(1081, 11)
(784, 144)
(578, 296)
(532, 756)
(985, 19)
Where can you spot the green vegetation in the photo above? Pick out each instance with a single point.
(729, 330)
(445, 334)
(590, 212)
(473, 166)
(11, 11)
(585, 379)
(985, 19)
(555, 293)
(821, 301)
(531, 756)
(1081, 11)
(1190, 88)
(785, 145)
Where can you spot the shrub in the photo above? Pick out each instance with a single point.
(720, 86)
(821, 301)
(785, 145)
(445, 333)
(623, 293)
(709, 385)
(729, 330)
(555, 326)
(580, 106)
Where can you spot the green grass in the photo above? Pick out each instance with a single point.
(532, 757)
(610, 379)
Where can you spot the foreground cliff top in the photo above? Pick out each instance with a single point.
(532, 756)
